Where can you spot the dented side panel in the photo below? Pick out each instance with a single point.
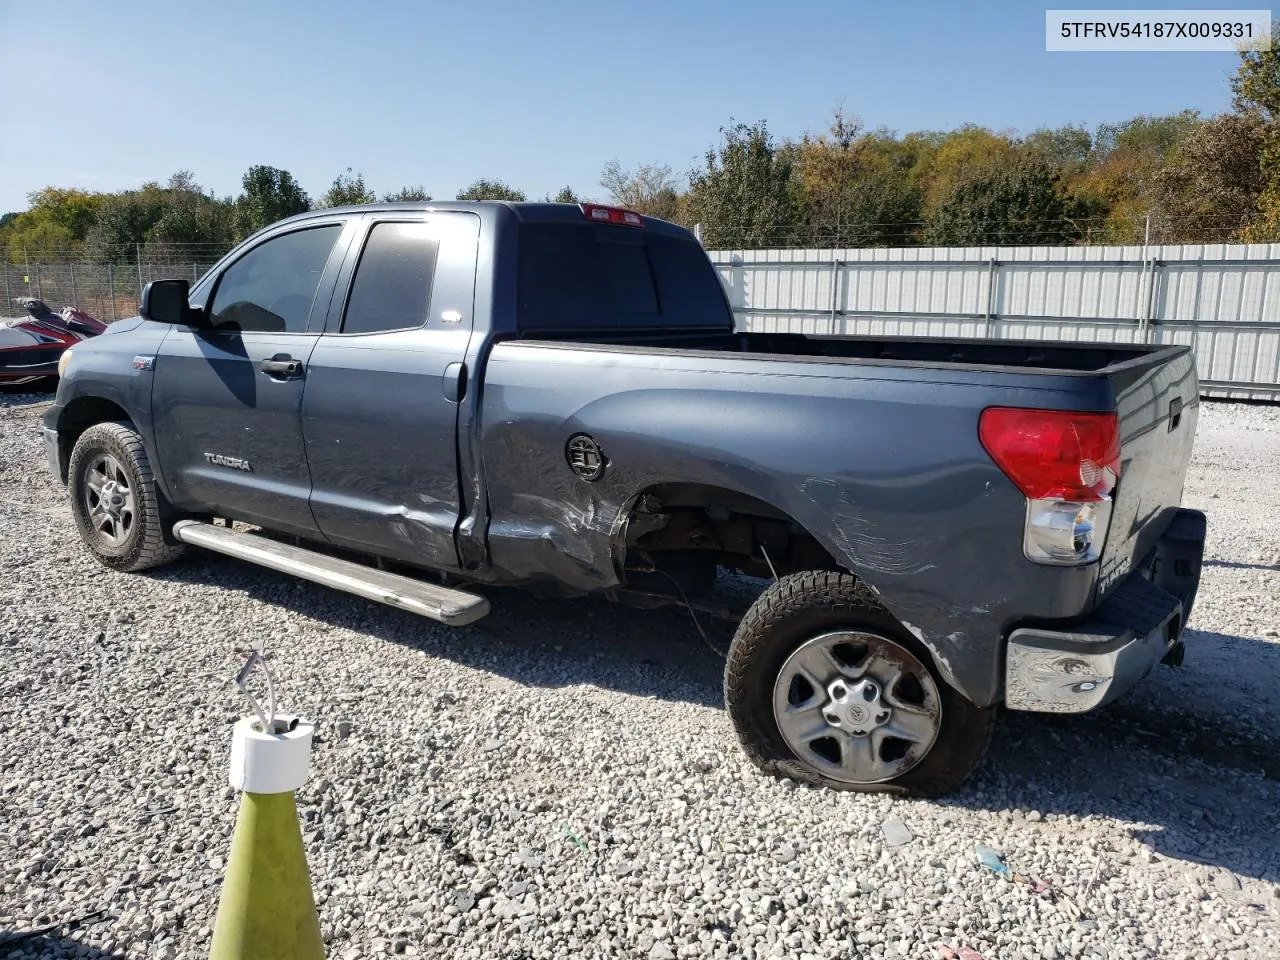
(380, 410)
(883, 467)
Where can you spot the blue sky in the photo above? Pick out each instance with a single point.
(106, 95)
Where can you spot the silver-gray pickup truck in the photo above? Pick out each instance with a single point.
(411, 401)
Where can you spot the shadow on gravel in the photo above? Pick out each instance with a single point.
(532, 641)
(1202, 790)
(1233, 565)
(1128, 762)
(48, 946)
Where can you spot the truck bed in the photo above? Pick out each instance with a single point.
(871, 443)
(1049, 356)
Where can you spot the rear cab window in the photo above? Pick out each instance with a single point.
(575, 276)
(392, 285)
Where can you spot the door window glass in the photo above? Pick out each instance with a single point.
(392, 285)
(271, 288)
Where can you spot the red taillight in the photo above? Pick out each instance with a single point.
(602, 214)
(1054, 454)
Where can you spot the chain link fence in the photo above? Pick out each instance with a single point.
(108, 291)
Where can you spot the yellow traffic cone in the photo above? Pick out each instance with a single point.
(266, 910)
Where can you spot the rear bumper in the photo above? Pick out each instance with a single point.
(1088, 664)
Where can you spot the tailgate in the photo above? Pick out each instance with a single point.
(1157, 409)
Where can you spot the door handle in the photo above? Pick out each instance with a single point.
(281, 367)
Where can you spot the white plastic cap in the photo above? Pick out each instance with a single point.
(271, 763)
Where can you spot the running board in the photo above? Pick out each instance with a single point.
(453, 607)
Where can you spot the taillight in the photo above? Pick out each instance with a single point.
(1066, 464)
(602, 214)
(1054, 454)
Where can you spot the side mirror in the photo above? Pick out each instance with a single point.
(165, 301)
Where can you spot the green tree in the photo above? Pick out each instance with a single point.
(565, 195)
(191, 224)
(1015, 204)
(53, 226)
(38, 239)
(491, 190)
(174, 221)
(743, 194)
(348, 189)
(1255, 87)
(957, 157)
(1116, 189)
(269, 195)
(855, 189)
(123, 223)
(408, 194)
(1157, 135)
(1209, 189)
(650, 189)
(1067, 149)
(73, 209)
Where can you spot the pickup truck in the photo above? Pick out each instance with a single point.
(412, 401)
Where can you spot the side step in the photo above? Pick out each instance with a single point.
(453, 607)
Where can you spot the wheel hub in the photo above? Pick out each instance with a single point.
(856, 708)
(108, 499)
(113, 499)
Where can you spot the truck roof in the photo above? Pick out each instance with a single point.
(524, 211)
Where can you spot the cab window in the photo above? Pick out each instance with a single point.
(392, 285)
(271, 288)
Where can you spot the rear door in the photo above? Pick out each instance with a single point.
(380, 409)
(227, 401)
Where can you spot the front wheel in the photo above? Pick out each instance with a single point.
(114, 499)
(824, 686)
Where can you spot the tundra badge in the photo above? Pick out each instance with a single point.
(218, 460)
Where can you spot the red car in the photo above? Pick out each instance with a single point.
(31, 346)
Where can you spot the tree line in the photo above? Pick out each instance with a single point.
(180, 221)
(1181, 178)
(1177, 178)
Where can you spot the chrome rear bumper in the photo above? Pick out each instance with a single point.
(1086, 665)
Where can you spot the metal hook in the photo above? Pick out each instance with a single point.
(256, 659)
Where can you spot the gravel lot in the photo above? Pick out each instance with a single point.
(560, 780)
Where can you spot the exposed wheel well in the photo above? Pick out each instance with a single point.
(706, 525)
(81, 414)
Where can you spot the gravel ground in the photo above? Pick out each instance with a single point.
(560, 779)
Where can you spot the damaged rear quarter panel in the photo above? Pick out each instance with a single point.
(881, 465)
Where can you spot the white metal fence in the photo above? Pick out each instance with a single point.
(1222, 299)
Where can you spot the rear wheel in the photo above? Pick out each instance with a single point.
(824, 686)
(114, 499)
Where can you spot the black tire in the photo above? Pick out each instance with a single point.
(141, 543)
(804, 605)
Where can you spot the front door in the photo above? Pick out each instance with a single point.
(227, 400)
(380, 408)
